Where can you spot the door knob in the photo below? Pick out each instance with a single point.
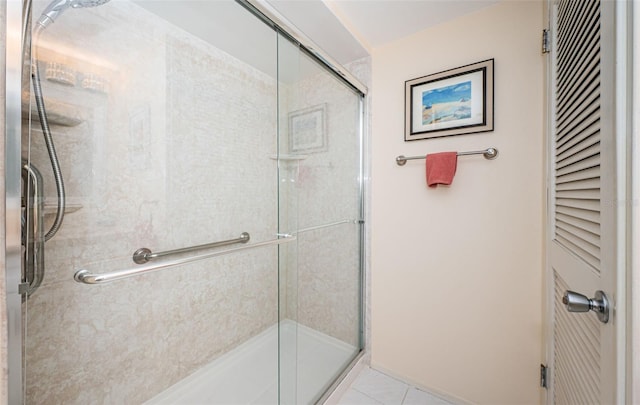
(579, 303)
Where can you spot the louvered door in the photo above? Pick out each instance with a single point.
(582, 237)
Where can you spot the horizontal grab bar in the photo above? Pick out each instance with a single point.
(489, 154)
(86, 277)
(144, 255)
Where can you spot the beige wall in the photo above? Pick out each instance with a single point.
(457, 271)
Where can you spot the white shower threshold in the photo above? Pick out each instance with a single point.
(248, 374)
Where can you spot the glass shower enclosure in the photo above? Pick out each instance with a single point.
(192, 215)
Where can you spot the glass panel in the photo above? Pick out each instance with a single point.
(164, 116)
(319, 125)
(289, 165)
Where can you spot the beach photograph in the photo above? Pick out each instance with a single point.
(446, 104)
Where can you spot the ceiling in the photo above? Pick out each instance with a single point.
(377, 22)
(350, 29)
(345, 29)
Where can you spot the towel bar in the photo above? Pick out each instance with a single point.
(489, 154)
(86, 277)
(143, 255)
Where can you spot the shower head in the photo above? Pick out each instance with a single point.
(57, 7)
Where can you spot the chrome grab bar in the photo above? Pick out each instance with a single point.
(86, 277)
(144, 255)
(33, 228)
(489, 154)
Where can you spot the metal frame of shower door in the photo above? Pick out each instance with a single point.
(12, 159)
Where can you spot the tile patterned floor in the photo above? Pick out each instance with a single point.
(372, 387)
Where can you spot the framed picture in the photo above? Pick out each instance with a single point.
(307, 130)
(454, 102)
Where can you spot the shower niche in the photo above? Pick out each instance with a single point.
(174, 124)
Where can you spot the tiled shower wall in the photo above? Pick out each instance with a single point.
(175, 151)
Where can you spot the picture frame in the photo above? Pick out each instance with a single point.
(453, 102)
(307, 130)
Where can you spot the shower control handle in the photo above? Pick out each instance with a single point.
(576, 302)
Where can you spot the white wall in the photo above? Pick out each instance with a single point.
(457, 271)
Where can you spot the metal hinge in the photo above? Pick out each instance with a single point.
(546, 47)
(543, 375)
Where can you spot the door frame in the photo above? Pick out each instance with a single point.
(628, 176)
(633, 278)
(627, 30)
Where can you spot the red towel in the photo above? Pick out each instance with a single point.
(441, 167)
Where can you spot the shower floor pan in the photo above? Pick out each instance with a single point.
(249, 373)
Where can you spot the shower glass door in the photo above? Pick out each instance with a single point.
(164, 117)
(177, 124)
(320, 120)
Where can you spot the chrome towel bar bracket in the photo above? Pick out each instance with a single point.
(144, 255)
(489, 154)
